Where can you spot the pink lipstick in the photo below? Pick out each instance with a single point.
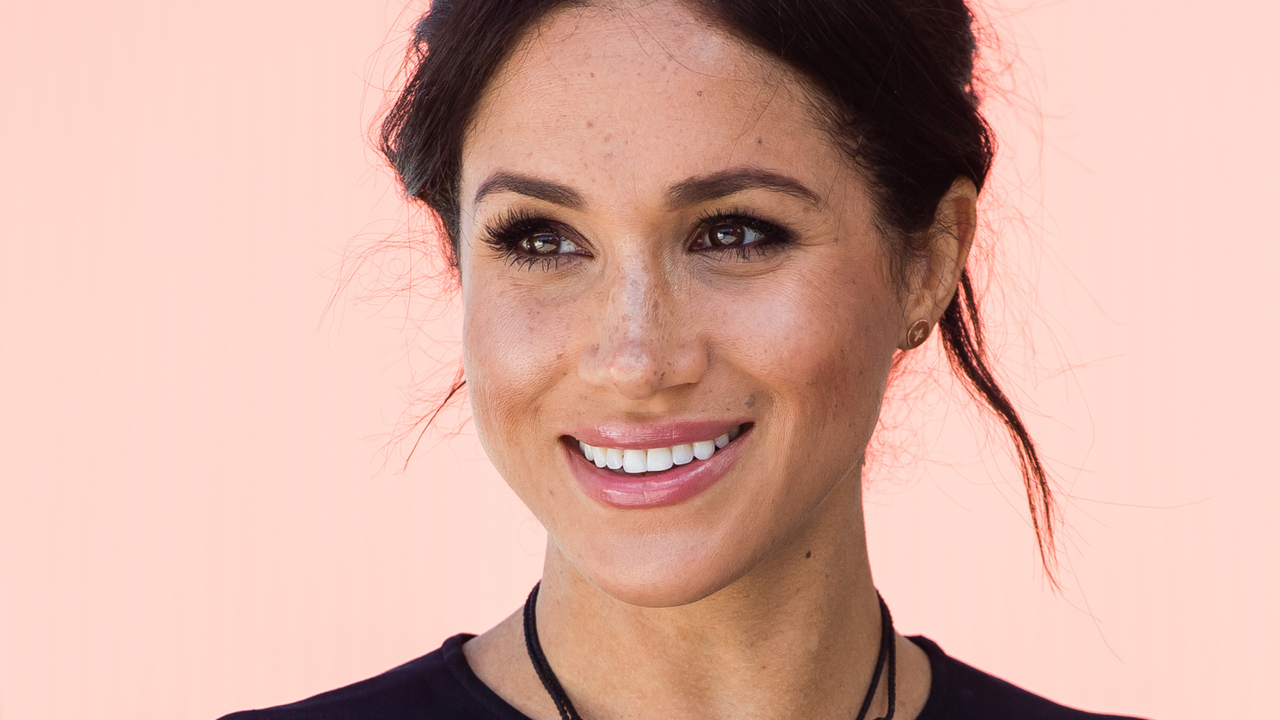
(683, 459)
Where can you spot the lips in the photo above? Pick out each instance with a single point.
(626, 467)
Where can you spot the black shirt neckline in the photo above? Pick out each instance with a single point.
(455, 661)
(460, 669)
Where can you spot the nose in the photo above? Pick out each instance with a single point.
(642, 340)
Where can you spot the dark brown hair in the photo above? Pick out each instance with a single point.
(897, 76)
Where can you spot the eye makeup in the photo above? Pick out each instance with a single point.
(530, 240)
(738, 233)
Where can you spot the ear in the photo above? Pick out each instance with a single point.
(950, 238)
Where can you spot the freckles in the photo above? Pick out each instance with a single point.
(788, 334)
(815, 341)
(516, 349)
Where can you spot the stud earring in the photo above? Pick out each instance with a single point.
(918, 333)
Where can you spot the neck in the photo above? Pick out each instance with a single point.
(797, 636)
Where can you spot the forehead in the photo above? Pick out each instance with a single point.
(627, 99)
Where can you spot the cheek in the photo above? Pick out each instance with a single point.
(514, 350)
(823, 343)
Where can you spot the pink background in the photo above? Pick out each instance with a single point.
(195, 516)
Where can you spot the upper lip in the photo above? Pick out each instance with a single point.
(643, 436)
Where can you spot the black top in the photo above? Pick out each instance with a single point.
(441, 686)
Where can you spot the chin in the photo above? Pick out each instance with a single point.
(661, 570)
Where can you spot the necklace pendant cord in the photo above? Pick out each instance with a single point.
(545, 674)
(888, 656)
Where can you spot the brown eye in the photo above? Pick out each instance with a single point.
(729, 235)
(546, 243)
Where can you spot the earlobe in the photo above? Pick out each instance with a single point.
(918, 333)
(954, 225)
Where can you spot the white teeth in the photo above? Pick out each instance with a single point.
(682, 454)
(613, 458)
(658, 459)
(634, 461)
(655, 459)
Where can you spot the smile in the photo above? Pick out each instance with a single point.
(647, 474)
(659, 459)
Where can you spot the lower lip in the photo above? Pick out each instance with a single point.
(651, 490)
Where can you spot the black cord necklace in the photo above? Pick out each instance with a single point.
(888, 657)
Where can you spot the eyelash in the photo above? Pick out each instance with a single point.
(507, 232)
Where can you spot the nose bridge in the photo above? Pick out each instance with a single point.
(636, 304)
(642, 346)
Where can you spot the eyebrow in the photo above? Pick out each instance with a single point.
(546, 190)
(727, 182)
(688, 192)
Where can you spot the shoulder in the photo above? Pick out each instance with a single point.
(435, 686)
(963, 692)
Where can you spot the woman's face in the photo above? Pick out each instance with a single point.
(660, 246)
